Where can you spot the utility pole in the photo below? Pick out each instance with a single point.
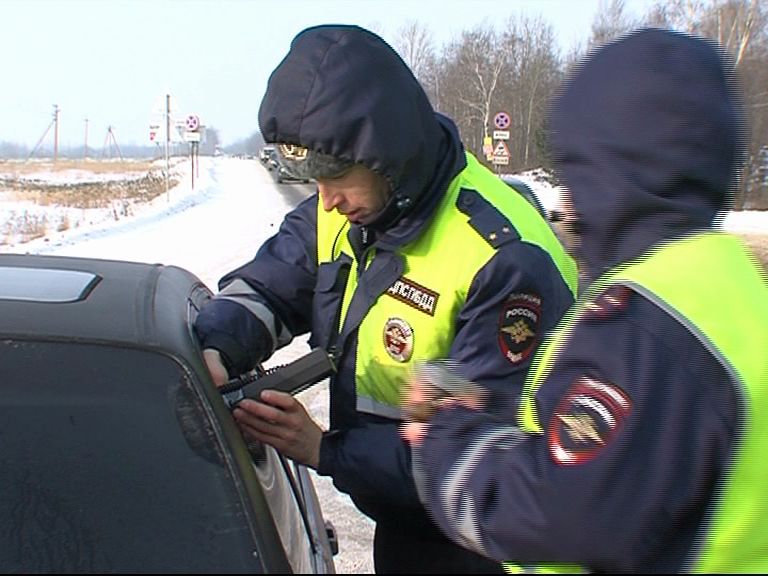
(55, 133)
(55, 117)
(167, 146)
(85, 152)
(110, 141)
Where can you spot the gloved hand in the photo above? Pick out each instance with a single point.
(241, 338)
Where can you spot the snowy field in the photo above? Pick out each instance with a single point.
(219, 182)
(210, 229)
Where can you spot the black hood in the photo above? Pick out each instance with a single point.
(342, 90)
(644, 137)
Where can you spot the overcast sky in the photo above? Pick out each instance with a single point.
(112, 61)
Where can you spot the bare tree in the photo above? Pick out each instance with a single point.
(472, 68)
(532, 76)
(683, 15)
(414, 44)
(611, 21)
(740, 28)
(734, 24)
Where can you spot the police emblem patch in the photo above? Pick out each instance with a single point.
(519, 326)
(398, 339)
(586, 420)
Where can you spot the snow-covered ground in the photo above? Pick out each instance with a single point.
(214, 227)
(238, 203)
(207, 229)
(755, 221)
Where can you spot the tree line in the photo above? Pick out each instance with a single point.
(518, 67)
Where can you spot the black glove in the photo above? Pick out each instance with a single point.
(240, 337)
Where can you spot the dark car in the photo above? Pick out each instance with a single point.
(118, 452)
(526, 191)
(280, 173)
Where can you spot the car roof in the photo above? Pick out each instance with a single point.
(93, 299)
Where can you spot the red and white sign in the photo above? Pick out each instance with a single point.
(501, 149)
(501, 153)
(502, 121)
(192, 123)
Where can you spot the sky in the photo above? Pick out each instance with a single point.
(111, 63)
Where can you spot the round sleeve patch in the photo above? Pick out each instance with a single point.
(519, 326)
(586, 420)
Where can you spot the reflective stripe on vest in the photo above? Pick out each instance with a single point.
(415, 319)
(726, 308)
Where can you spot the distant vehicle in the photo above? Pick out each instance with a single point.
(266, 153)
(119, 453)
(280, 173)
(526, 192)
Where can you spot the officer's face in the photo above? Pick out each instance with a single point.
(566, 223)
(359, 194)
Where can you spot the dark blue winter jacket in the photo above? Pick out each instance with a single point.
(342, 91)
(645, 139)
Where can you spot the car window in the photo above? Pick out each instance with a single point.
(101, 444)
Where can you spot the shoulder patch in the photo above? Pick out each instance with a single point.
(519, 326)
(586, 420)
(485, 218)
(611, 302)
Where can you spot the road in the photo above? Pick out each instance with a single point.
(235, 207)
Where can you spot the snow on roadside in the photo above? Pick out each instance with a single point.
(741, 221)
(747, 221)
(61, 226)
(64, 225)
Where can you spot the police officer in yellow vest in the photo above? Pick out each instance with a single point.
(410, 250)
(639, 445)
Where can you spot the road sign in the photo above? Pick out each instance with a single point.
(192, 123)
(501, 149)
(502, 120)
(501, 153)
(501, 134)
